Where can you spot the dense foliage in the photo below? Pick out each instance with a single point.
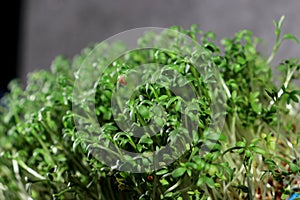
(43, 155)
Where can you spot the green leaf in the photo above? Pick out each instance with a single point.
(139, 147)
(191, 165)
(159, 121)
(222, 137)
(271, 163)
(144, 111)
(200, 181)
(145, 139)
(164, 182)
(241, 144)
(241, 60)
(211, 47)
(162, 172)
(212, 170)
(209, 181)
(248, 154)
(285, 196)
(189, 172)
(257, 107)
(294, 168)
(294, 98)
(169, 194)
(255, 141)
(178, 172)
(258, 150)
(234, 94)
(289, 36)
(295, 92)
(163, 97)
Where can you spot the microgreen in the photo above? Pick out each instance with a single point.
(43, 154)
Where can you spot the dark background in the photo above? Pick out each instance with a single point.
(10, 44)
(48, 28)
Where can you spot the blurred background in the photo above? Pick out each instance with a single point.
(43, 29)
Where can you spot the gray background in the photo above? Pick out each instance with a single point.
(53, 27)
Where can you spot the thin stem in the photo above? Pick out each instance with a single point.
(136, 188)
(275, 49)
(44, 146)
(232, 181)
(227, 91)
(278, 127)
(174, 186)
(29, 170)
(233, 130)
(265, 189)
(250, 196)
(154, 187)
(250, 188)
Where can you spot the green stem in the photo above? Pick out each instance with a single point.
(278, 127)
(174, 186)
(275, 49)
(233, 130)
(249, 183)
(154, 187)
(51, 133)
(29, 170)
(136, 188)
(44, 146)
